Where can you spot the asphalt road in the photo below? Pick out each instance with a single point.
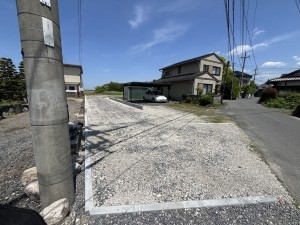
(275, 135)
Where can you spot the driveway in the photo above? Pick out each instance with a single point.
(276, 136)
(160, 155)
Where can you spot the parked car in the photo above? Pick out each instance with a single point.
(154, 97)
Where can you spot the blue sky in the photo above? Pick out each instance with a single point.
(131, 40)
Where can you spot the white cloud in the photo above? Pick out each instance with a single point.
(273, 64)
(297, 58)
(140, 16)
(246, 48)
(168, 33)
(256, 32)
(281, 38)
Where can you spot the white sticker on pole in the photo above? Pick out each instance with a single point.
(48, 32)
(46, 2)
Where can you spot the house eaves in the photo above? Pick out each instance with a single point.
(185, 77)
(73, 65)
(197, 59)
(293, 76)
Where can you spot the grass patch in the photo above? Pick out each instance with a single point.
(9, 103)
(207, 113)
(114, 93)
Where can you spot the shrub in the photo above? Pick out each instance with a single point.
(296, 112)
(286, 101)
(206, 100)
(267, 94)
(195, 101)
(184, 96)
(188, 100)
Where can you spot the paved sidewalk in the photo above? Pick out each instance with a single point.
(160, 155)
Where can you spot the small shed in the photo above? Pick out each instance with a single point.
(135, 91)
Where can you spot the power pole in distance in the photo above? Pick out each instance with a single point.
(255, 73)
(43, 63)
(224, 83)
(243, 67)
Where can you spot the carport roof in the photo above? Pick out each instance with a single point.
(146, 84)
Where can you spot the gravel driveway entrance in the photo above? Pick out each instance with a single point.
(161, 155)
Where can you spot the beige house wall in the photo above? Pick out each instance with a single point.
(216, 62)
(75, 71)
(185, 69)
(70, 79)
(203, 80)
(73, 80)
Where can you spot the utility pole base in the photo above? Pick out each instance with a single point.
(55, 175)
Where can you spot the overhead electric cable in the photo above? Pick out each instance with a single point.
(79, 33)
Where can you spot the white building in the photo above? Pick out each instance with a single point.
(73, 80)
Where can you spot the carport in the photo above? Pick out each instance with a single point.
(134, 91)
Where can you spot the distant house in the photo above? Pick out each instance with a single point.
(73, 80)
(192, 76)
(287, 82)
(246, 77)
(260, 89)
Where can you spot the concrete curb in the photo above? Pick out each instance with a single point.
(107, 210)
(89, 202)
(128, 103)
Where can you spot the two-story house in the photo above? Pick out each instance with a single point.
(73, 80)
(202, 74)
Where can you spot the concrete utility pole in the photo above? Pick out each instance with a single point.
(243, 67)
(255, 73)
(43, 64)
(224, 83)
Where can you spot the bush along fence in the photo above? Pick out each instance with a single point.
(9, 110)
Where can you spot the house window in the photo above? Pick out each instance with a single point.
(205, 68)
(72, 88)
(179, 69)
(207, 88)
(168, 73)
(216, 71)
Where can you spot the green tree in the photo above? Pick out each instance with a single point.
(111, 86)
(21, 93)
(252, 87)
(114, 86)
(230, 83)
(7, 74)
(100, 89)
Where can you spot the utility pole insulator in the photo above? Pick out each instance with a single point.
(43, 63)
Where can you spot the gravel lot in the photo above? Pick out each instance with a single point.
(16, 155)
(162, 155)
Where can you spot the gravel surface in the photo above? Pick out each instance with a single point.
(163, 155)
(16, 155)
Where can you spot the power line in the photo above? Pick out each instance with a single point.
(249, 36)
(79, 33)
(254, 18)
(298, 5)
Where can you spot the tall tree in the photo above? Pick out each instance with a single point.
(21, 83)
(230, 82)
(7, 73)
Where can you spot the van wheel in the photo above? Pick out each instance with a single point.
(153, 100)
